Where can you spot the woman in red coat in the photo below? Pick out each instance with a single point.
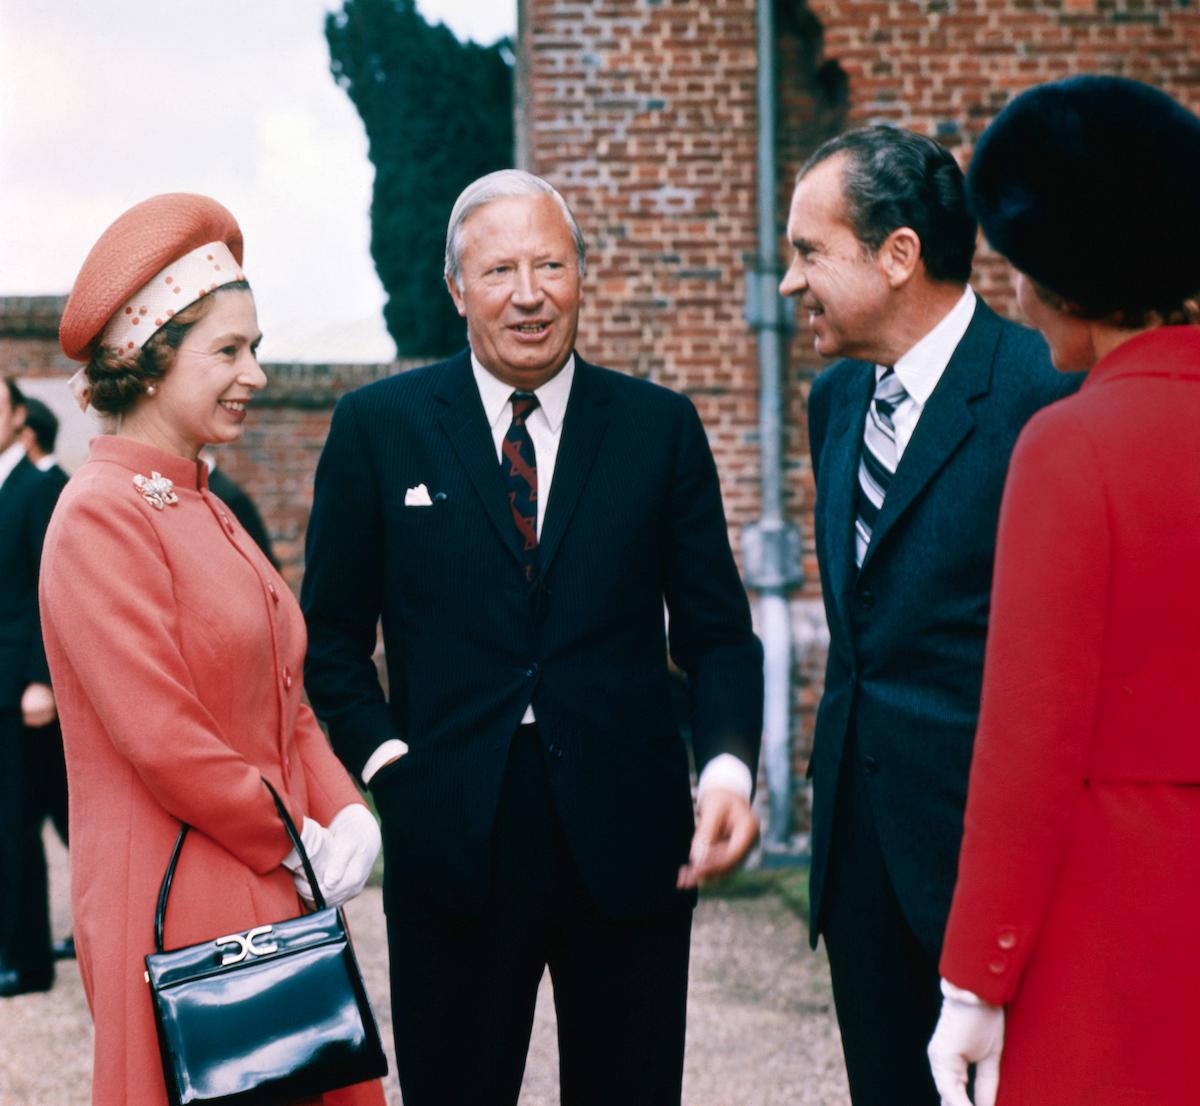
(175, 648)
(1070, 968)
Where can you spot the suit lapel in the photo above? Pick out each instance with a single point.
(583, 428)
(838, 490)
(945, 422)
(462, 418)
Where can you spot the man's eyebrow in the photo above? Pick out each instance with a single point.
(804, 245)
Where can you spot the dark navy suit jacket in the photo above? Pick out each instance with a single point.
(907, 631)
(634, 521)
(26, 502)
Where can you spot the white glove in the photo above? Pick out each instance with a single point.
(969, 1031)
(342, 856)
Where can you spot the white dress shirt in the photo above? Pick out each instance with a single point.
(922, 366)
(9, 460)
(544, 424)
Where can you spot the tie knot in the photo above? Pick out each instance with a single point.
(522, 404)
(889, 391)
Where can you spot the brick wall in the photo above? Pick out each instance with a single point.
(643, 113)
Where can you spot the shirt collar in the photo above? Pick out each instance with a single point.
(921, 367)
(46, 463)
(552, 396)
(9, 460)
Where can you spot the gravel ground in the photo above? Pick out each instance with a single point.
(761, 1030)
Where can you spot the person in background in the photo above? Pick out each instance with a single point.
(239, 502)
(910, 436)
(47, 778)
(39, 436)
(174, 646)
(1070, 967)
(26, 707)
(520, 518)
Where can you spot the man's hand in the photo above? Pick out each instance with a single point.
(969, 1031)
(37, 706)
(725, 830)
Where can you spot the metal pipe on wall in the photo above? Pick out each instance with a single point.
(770, 546)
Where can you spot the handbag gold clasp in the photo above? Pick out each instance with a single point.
(245, 944)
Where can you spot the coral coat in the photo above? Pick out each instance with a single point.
(175, 651)
(1078, 893)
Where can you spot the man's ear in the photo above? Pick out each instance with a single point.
(457, 296)
(899, 255)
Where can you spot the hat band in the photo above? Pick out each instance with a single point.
(167, 293)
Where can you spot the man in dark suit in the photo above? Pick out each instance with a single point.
(520, 518)
(26, 705)
(910, 437)
(46, 770)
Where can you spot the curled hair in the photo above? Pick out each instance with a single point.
(118, 380)
(894, 178)
(504, 184)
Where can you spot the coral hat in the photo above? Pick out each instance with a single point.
(138, 249)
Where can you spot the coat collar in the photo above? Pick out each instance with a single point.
(1168, 351)
(945, 422)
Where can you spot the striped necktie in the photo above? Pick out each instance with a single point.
(877, 463)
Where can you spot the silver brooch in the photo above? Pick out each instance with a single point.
(156, 490)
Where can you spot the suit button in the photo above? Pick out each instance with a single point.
(997, 965)
(555, 751)
(531, 671)
(1006, 939)
(866, 599)
(870, 765)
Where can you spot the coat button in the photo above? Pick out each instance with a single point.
(866, 599)
(870, 765)
(997, 965)
(274, 593)
(226, 523)
(287, 678)
(1006, 939)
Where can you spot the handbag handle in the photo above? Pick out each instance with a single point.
(160, 912)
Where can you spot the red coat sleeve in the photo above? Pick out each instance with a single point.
(1041, 680)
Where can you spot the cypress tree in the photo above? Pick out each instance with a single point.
(438, 114)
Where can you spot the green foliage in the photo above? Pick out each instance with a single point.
(438, 113)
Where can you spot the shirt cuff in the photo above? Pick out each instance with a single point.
(727, 772)
(393, 747)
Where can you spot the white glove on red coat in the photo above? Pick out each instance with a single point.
(342, 856)
(969, 1031)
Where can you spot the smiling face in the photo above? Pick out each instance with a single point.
(202, 399)
(520, 289)
(842, 286)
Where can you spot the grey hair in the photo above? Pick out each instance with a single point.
(502, 185)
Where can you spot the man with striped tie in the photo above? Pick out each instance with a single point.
(910, 435)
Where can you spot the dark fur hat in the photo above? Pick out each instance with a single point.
(1091, 186)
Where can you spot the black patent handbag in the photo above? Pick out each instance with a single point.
(263, 1017)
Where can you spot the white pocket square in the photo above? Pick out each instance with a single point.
(417, 497)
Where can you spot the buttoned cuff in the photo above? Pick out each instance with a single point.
(390, 749)
(727, 772)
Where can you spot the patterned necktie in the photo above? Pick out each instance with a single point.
(877, 464)
(518, 466)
